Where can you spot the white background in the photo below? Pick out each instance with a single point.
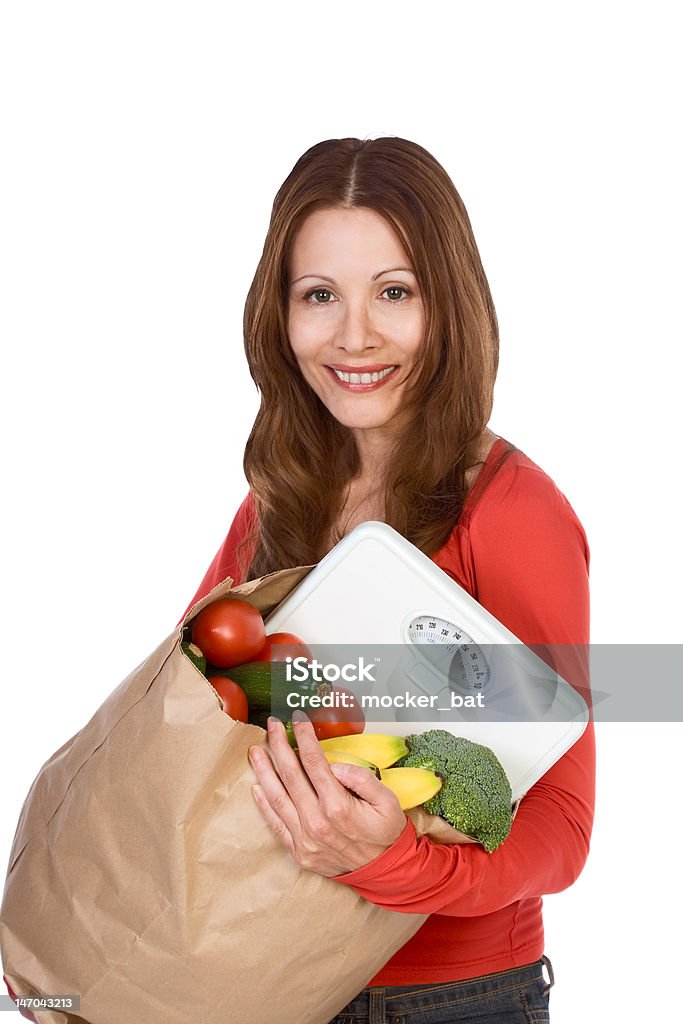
(142, 147)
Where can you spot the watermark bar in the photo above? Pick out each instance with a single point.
(456, 682)
(40, 1003)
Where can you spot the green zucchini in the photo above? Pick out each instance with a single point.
(267, 688)
(194, 654)
(256, 679)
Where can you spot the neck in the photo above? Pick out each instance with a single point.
(374, 452)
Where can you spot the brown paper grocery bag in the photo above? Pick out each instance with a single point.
(144, 879)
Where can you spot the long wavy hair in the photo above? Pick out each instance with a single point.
(299, 459)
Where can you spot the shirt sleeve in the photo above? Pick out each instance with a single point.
(225, 561)
(530, 560)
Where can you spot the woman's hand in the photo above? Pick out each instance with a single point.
(311, 807)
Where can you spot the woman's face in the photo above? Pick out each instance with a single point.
(355, 317)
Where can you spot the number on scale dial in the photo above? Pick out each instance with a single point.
(468, 669)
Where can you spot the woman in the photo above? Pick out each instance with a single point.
(370, 268)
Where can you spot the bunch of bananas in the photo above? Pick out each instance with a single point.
(377, 752)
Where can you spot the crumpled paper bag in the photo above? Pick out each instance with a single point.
(144, 879)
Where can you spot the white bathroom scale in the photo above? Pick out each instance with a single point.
(376, 588)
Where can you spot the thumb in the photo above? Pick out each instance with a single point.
(363, 783)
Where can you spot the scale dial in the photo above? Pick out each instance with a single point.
(459, 656)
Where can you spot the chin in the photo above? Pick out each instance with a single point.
(359, 417)
(355, 423)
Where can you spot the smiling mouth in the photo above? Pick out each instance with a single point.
(361, 380)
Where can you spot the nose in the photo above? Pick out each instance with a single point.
(356, 331)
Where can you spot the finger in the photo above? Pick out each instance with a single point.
(366, 785)
(289, 766)
(276, 824)
(285, 783)
(274, 792)
(312, 756)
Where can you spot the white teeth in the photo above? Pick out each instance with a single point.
(364, 378)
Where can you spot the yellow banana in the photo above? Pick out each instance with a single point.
(343, 757)
(375, 747)
(412, 786)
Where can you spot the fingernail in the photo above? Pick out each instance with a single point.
(273, 721)
(299, 716)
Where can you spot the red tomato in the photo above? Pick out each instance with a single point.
(295, 648)
(229, 632)
(338, 721)
(233, 697)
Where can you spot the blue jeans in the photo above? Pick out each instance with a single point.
(517, 996)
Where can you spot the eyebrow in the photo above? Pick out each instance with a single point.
(380, 273)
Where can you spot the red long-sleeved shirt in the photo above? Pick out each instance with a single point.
(520, 551)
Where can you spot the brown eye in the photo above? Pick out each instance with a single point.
(395, 292)
(322, 295)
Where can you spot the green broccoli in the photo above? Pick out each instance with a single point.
(475, 796)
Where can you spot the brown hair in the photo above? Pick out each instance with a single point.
(298, 459)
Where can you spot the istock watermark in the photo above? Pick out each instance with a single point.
(377, 702)
(465, 682)
(301, 670)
